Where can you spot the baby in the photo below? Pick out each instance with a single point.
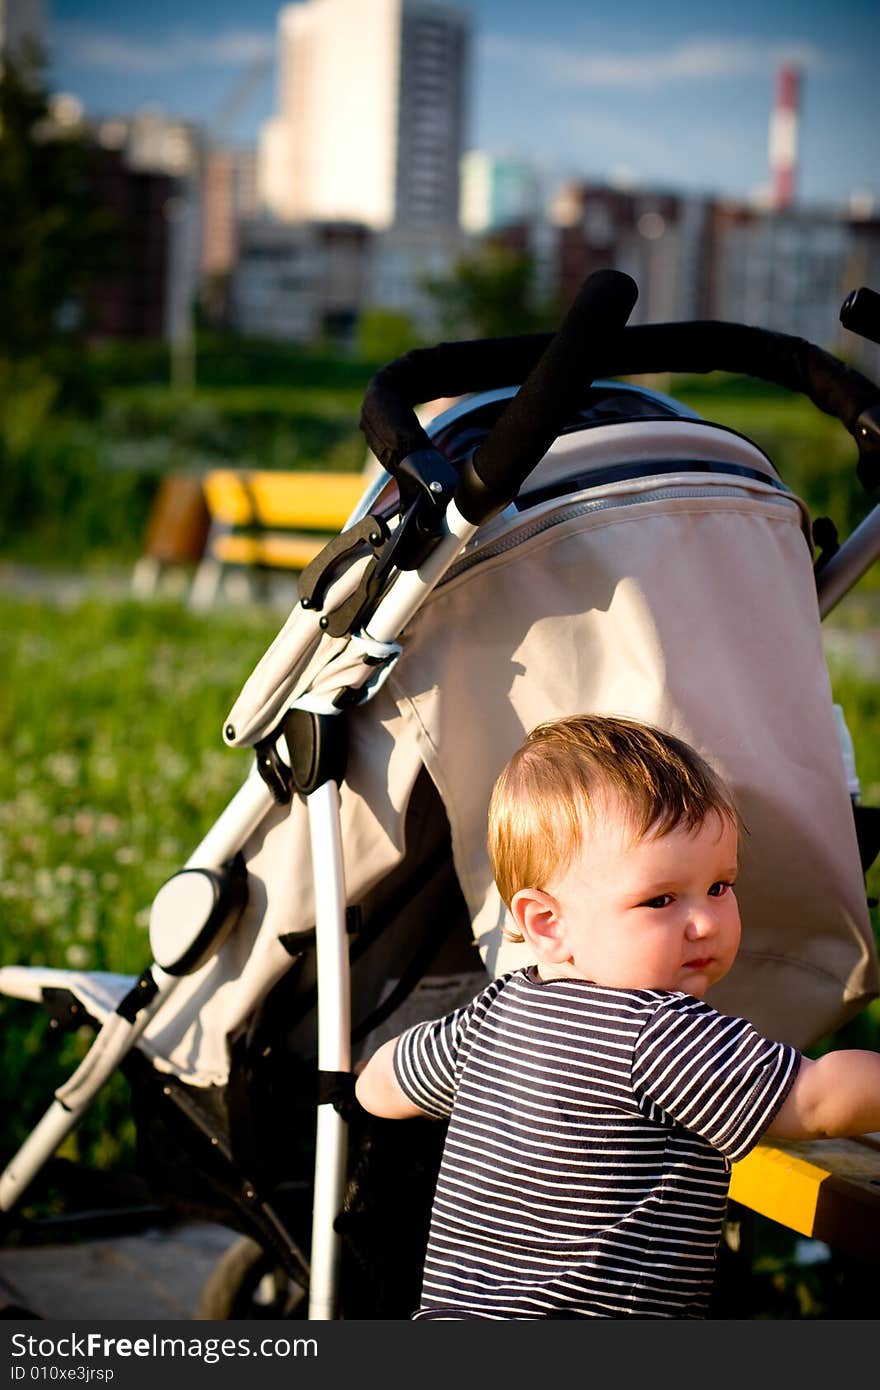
(595, 1101)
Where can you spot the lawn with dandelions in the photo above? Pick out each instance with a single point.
(113, 769)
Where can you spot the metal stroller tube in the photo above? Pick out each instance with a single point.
(334, 1043)
(116, 1038)
(235, 824)
(852, 560)
(121, 1030)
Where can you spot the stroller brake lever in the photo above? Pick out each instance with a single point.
(317, 577)
(427, 480)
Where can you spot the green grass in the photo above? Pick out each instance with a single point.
(114, 769)
(115, 760)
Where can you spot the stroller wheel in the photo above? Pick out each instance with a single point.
(249, 1282)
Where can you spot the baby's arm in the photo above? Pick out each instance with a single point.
(378, 1089)
(835, 1096)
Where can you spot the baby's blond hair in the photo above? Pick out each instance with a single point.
(563, 774)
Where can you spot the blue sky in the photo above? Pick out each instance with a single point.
(675, 95)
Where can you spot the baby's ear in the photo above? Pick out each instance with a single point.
(536, 913)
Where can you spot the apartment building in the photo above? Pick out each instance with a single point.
(370, 125)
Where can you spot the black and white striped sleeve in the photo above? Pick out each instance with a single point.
(425, 1062)
(711, 1073)
(427, 1059)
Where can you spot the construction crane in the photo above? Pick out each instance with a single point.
(238, 97)
(217, 131)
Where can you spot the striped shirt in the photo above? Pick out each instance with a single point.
(587, 1159)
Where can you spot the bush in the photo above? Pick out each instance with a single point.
(61, 502)
(384, 335)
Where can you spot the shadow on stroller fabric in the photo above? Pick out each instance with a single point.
(579, 544)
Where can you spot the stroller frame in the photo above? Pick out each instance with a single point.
(440, 512)
(241, 817)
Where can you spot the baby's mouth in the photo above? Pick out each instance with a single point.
(700, 963)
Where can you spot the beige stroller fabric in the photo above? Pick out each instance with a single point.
(687, 600)
(700, 638)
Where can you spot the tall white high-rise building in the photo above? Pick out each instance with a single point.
(371, 113)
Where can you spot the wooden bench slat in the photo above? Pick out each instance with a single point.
(272, 520)
(305, 501)
(308, 501)
(279, 552)
(828, 1189)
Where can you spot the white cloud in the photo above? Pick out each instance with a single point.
(627, 138)
(95, 48)
(695, 60)
(602, 142)
(630, 138)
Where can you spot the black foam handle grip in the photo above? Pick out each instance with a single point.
(860, 313)
(531, 422)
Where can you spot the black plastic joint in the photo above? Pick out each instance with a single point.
(867, 436)
(273, 770)
(860, 313)
(426, 480)
(428, 472)
(317, 745)
(825, 537)
(317, 577)
(474, 499)
(64, 1009)
(142, 993)
(336, 1088)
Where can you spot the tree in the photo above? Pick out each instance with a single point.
(54, 238)
(490, 294)
(384, 334)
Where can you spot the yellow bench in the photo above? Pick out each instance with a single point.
(827, 1189)
(276, 519)
(269, 520)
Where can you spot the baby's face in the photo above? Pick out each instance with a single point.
(654, 913)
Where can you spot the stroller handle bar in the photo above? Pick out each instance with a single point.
(494, 473)
(459, 368)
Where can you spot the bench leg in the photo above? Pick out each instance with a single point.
(145, 576)
(206, 585)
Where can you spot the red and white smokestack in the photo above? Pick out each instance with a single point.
(783, 136)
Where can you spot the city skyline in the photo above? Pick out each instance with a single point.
(676, 98)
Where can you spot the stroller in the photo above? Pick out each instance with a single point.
(578, 543)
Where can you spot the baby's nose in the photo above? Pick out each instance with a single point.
(701, 922)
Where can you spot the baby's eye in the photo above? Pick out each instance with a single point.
(719, 889)
(662, 900)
